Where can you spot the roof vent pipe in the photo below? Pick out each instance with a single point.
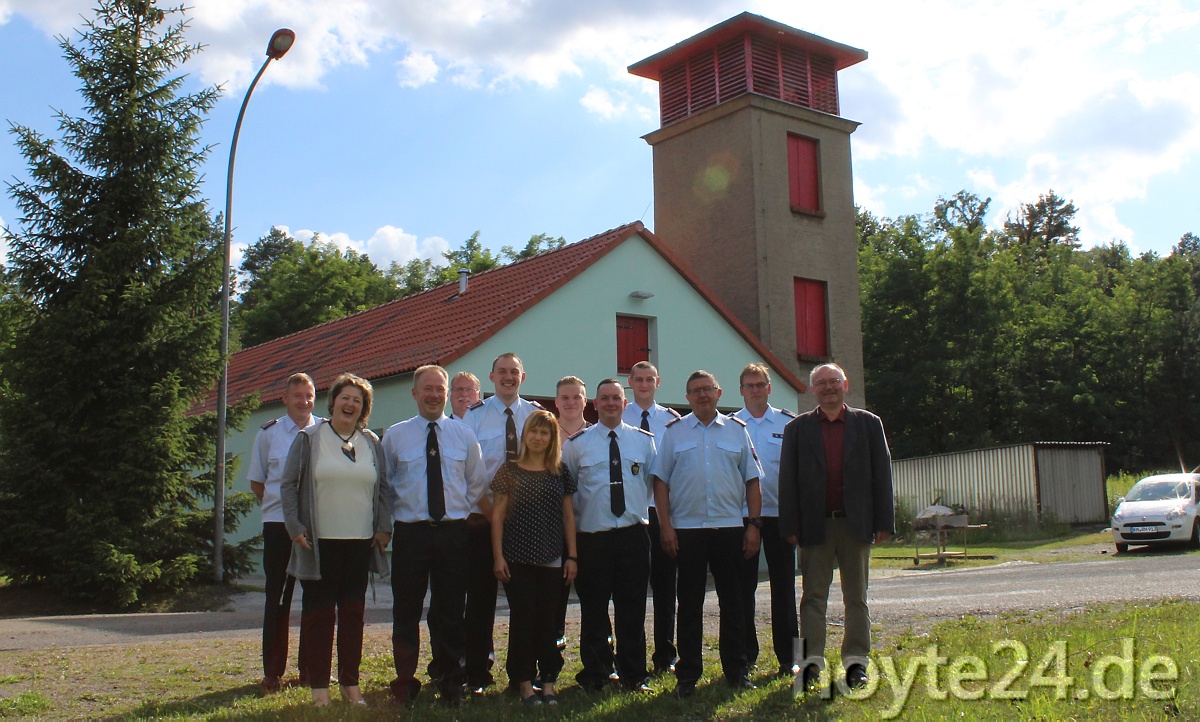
(462, 280)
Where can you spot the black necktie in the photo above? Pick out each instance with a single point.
(616, 485)
(433, 472)
(510, 436)
(645, 420)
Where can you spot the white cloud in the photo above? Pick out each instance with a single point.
(386, 245)
(870, 197)
(600, 102)
(416, 69)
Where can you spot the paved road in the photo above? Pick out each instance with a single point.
(938, 595)
(905, 596)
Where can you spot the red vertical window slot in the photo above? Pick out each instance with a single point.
(804, 174)
(812, 337)
(633, 342)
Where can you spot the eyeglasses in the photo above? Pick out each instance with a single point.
(824, 383)
(703, 390)
(757, 386)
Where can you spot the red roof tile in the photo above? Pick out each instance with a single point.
(439, 326)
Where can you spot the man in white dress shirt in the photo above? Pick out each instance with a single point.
(497, 423)
(267, 458)
(436, 469)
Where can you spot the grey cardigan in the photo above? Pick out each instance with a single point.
(298, 489)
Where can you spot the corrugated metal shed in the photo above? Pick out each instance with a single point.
(1065, 479)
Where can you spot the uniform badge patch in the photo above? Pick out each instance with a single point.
(635, 468)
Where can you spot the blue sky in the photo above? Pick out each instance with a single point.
(400, 128)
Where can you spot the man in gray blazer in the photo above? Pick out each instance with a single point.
(835, 499)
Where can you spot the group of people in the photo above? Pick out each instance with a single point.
(503, 492)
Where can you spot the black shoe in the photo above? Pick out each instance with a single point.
(270, 685)
(451, 696)
(404, 693)
(592, 686)
(812, 676)
(640, 686)
(683, 690)
(856, 676)
(740, 683)
(791, 671)
(663, 669)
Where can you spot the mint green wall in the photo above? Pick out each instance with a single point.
(573, 332)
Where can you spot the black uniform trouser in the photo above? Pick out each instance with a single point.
(426, 555)
(277, 612)
(613, 565)
(781, 570)
(662, 587)
(480, 617)
(702, 551)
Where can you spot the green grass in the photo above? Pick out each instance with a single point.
(215, 680)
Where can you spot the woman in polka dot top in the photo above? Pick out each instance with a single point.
(533, 537)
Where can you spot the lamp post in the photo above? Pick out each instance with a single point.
(281, 42)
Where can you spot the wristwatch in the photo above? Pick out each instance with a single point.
(756, 522)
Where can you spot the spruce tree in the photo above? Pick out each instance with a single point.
(105, 476)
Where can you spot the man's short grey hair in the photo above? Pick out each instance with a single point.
(831, 365)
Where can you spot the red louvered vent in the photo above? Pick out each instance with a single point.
(731, 70)
(673, 93)
(764, 60)
(793, 66)
(747, 64)
(823, 81)
(702, 78)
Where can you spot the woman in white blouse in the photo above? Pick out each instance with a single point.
(337, 508)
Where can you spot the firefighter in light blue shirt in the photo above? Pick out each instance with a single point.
(645, 413)
(611, 464)
(765, 425)
(704, 473)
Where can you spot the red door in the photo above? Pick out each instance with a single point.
(633, 342)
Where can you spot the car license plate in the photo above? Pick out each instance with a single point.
(1142, 529)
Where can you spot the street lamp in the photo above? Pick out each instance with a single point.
(281, 42)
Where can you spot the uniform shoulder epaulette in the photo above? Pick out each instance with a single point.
(535, 404)
(673, 412)
(577, 434)
(788, 413)
(269, 424)
(736, 420)
(647, 433)
(475, 405)
(673, 421)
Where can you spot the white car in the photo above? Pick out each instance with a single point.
(1159, 510)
